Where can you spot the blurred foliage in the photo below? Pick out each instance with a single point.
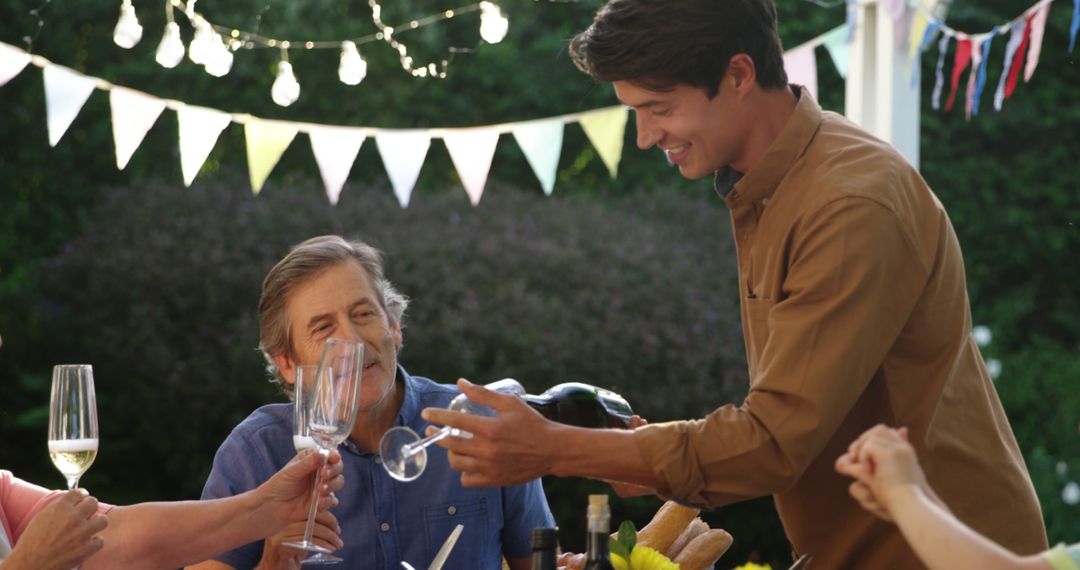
(625, 282)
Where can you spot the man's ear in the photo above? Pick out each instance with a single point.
(286, 367)
(742, 72)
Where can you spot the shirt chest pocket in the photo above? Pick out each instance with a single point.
(477, 540)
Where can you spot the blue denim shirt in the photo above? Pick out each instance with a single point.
(385, 521)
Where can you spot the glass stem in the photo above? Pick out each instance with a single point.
(324, 454)
(412, 449)
(73, 482)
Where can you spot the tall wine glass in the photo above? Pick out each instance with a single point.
(305, 381)
(404, 453)
(331, 414)
(73, 425)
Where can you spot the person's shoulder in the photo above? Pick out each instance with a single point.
(431, 393)
(269, 425)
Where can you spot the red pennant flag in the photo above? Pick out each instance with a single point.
(963, 57)
(1018, 59)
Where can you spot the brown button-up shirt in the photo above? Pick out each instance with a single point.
(855, 312)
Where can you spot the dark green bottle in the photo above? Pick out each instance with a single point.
(582, 405)
(597, 555)
(545, 542)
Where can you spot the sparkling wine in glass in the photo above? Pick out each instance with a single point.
(404, 453)
(73, 425)
(331, 407)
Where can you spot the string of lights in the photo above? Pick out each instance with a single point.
(213, 45)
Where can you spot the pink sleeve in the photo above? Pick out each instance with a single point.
(20, 501)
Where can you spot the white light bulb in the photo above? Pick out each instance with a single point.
(219, 59)
(493, 25)
(202, 44)
(128, 32)
(353, 67)
(286, 89)
(171, 49)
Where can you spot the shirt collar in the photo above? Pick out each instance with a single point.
(781, 155)
(410, 405)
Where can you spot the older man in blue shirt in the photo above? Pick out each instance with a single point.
(329, 287)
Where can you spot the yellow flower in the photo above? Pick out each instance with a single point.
(752, 566)
(643, 558)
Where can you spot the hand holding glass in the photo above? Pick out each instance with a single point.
(331, 408)
(404, 454)
(73, 426)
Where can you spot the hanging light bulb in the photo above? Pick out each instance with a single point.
(219, 58)
(353, 67)
(286, 89)
(171, 49)
(493, 25)
(202, 44)
(128, 32)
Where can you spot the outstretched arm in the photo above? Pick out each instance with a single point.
(890, 483)
(171, 534)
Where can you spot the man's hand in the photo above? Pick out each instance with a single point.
(326, 533)
(61, 536)
(883, 464)
(285, 496)
(508, 449)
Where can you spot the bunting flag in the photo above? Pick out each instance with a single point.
(133, 113)
(1038, 26)
(801, 67)
(541, 142)
(605, 130)
(266, 142)
(200, 128)
(963, 56)
(939, 74)
(335, 150)
(1073, 27)
(1016, 35)
(471, 151)
(839, 48)
(897, 10)
(927, 30)
(65, 94)
(1018, 59)
(980, 80)
(976, 61)
(403, 154)
(13, 61)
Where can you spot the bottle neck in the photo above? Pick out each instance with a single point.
(597, 547)
(543, 559)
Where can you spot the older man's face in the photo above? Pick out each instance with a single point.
(341, 302)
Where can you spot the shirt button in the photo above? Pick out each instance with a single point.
(378, 460)
(385, 527)
(764, 201)
(451, 510)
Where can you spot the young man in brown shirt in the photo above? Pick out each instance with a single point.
(853, 295)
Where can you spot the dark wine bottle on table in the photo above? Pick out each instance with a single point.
(582, 405)
(597, 555)
(544, 544)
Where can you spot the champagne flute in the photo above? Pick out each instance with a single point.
(305, 380)
(73, 425)
(404, 453)
(331, 414)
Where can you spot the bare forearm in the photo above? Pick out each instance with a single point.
(600, 454)
(169, 535)
(945, 543)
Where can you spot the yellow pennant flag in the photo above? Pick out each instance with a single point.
(605, 130)
(266, 142)
(919, 24)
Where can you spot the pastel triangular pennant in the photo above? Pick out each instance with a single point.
(200, 128)
(980, 81)
(471, 150)
(266, 142)
(133, 113)
(1018, 59)
(1016, 35)
(801, 67)
(976, 62)
(335, 150)
(1075, 25)
(541, 141)
(65, 94)
(836, 41)
(939, 71)
(12, 61)
(606, 130)
(1038, 26)
(403, 154)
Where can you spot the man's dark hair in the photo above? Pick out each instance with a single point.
(660, 43)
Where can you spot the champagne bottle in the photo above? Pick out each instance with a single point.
(597, 556)
(544, 543)
(582, 405)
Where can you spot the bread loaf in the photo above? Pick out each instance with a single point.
(666, 526)
(696, 527)
(704, 550)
